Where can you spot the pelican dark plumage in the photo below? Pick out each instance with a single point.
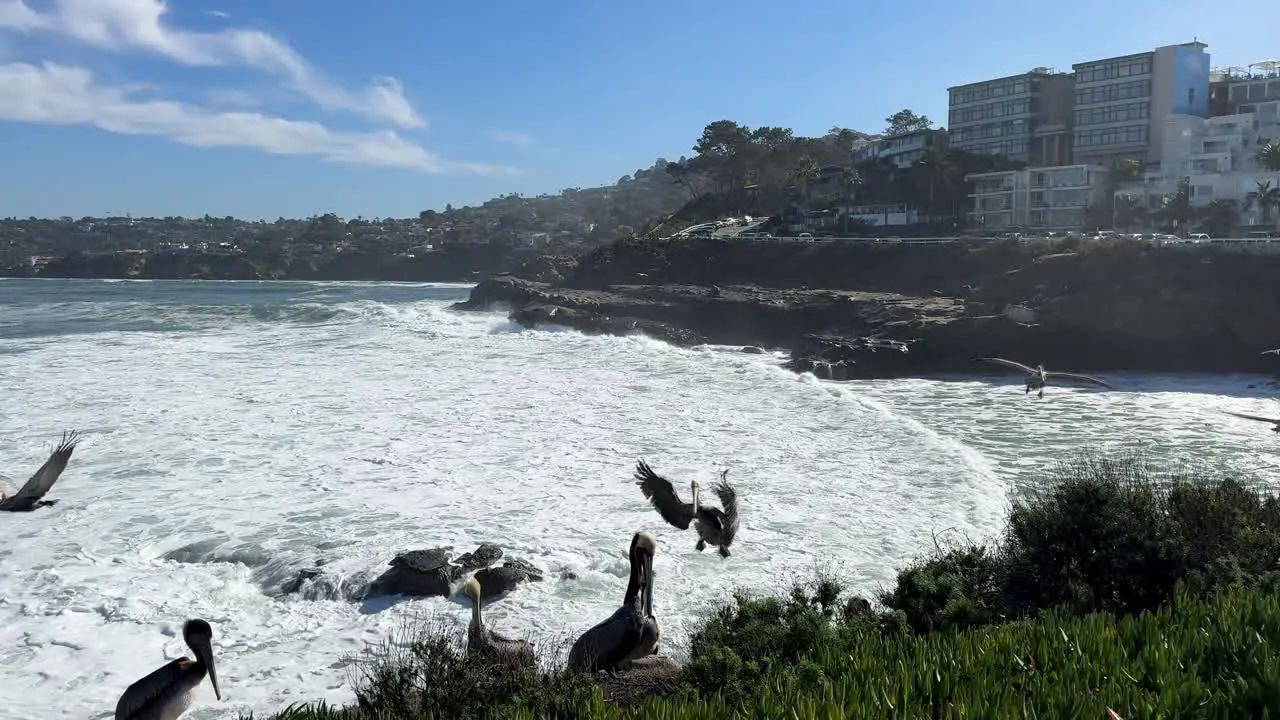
(714, 526)
(167, 693)
(1258, 418)
(631, 632)
(486, 643)
(1037, 377)
(31, 495)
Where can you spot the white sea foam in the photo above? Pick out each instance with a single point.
(274, 426)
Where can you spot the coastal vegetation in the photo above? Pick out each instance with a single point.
(1113, 585)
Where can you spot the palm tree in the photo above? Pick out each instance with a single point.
(1128, 210)
(1177, 207)
(1265, 198)
(805, 172)
(935, 168)
(1219, 217)
(1269, 155)
(850, 181)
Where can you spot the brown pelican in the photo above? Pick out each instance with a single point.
(631, 632)
(1273, 421)
(166, 693)
(715, 526)
(487, 643)
(1036, 377)
(31, 496)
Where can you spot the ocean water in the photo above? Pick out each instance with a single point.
(237, 433)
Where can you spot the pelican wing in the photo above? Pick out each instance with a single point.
(658, 491)
(1077, 377)
(143, 699)
(729, 516)
(42, 481)
(1259, 418)
(1270, 352)
(611, 641)
(1009, 364)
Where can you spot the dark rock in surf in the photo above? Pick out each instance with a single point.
(752, 350)
(483, 556)
(498, 580)
(418, 573)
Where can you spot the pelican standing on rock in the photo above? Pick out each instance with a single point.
(167, 693)
(1038, 376)
(630, 633)
(487, 643)
(31, 496)
(714, 526)
(1259, 418)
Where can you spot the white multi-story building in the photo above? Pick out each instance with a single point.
(1217, 157)
(902, 150)
(1048, 198)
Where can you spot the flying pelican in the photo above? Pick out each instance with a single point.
(166, 693)
(1037, 376)
(630, 633)
(1273, 421)
(1270, 352)
(715, 526)
(483, 641)
(31, 496)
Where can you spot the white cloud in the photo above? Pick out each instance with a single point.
(138, 25)
(62, 95)
(219, 14)
(511, 137)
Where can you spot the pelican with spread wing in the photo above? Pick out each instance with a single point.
(31, 495)
(631, 632)
(167, 693)
(486, 643)
(1037, 377)
(1259, 418)
(714, 526)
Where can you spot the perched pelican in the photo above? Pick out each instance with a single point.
(1037, 376)
(166, 693)
(630, 633)
(1273, 421)
(715, 526)
(486, 642)
(31, 496)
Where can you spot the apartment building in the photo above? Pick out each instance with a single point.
(1046, 198)
(1120, 103)
(1217, 157)
(1233, 90)
(1023, 117)
(902, 150)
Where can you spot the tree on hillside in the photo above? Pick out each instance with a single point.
(905, 121)
(1218, 218)
(934, 170)
(1269, 155)
(1264, 197)
(1127, 210)
(1177, 207)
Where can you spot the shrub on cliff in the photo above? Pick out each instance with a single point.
(1105, 534)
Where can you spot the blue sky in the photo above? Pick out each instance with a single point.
(261, 108)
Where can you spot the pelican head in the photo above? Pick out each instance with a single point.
(472, 588)
(199, 637)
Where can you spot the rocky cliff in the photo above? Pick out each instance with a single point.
(883, 310)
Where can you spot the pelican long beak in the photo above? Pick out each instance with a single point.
(648, 584)
(204, 651)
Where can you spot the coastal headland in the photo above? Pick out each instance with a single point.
(862, 310)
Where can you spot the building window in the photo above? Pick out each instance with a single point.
(1113, 70)
(1113, 113)
(1132, 135)
(1114, 91)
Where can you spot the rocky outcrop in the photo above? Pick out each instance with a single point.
(912, 310)
(431, 573)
